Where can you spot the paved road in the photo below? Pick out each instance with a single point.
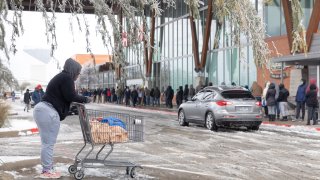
(174, 152)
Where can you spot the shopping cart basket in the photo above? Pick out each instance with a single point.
(101, 128)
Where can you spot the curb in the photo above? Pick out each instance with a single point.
(29, 132)
(288, 125)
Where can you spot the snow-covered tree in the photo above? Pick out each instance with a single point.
(7, 80)
(87, 76)
(241, 13)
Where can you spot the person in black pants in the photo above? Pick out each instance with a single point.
(312, 104)
(301, 99)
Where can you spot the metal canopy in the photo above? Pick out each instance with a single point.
(312, 58)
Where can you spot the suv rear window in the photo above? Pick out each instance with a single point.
(237, 94)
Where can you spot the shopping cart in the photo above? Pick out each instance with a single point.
(99, 128)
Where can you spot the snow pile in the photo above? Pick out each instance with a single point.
(306, 130)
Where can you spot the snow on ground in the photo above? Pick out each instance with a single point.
(18, 118)
(273, 152)
(306, 130)
(9, 159)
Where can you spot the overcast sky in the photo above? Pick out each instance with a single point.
(69, 43)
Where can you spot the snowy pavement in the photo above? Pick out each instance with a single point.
(173, 152)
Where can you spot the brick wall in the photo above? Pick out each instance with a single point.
(282, 47)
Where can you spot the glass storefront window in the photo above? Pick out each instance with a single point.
(272, 18)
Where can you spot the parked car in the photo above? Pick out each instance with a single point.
(222, 106)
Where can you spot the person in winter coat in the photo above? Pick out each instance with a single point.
(54, 108)
(312, 104)
(152, 97)
(179, 96)
(37, 94)
(312, 81)
(186, 93)
(271, 102)
(256, 90)
(157, 95)
(283, 101)
(26, 100)
(127, 95)
(277, 103)
(169, 96)
(192, 91)
(301, 99)
(264, 100)
(119, 95)
(134, 96)
(147, 96)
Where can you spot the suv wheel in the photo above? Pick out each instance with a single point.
(210, 122)
(182, 118)
(255, 128)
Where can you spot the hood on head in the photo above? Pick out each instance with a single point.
(281, 86)
(313, 81)
(72, 67)
(272, 86)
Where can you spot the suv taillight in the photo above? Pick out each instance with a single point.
(258, 103)
(223, 103)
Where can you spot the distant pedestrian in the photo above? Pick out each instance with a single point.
(256, 90)
(152, 97)
(157, 95)
(134, 96)
(186, 92)
(147, 96)
(13, 96)
(312, 104)
(37, 94)
(264, 99)
(27, 100)
(169, 96)
(301, 99)
(271, 102)
(127, 96)
(192, 91)
(312, 81)
(283, 101)
(179, 96)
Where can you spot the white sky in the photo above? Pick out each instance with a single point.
(24, 67)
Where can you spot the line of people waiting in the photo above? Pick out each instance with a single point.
(274, 99)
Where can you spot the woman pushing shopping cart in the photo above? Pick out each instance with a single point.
(102, 128)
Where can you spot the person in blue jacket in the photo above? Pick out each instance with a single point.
(301, 99)
(37, 94)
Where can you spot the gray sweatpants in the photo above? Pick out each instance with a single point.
(48, 122)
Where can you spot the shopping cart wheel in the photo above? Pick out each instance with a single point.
(133, 172)
(127, 170)
(79, 175)
(72, 169)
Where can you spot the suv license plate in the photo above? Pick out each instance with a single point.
(243, 109)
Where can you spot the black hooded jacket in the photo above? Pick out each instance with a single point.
(61, 92)
(271, 95)
(311, 97)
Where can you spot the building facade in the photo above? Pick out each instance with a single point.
(173, 58)
(293, 67)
